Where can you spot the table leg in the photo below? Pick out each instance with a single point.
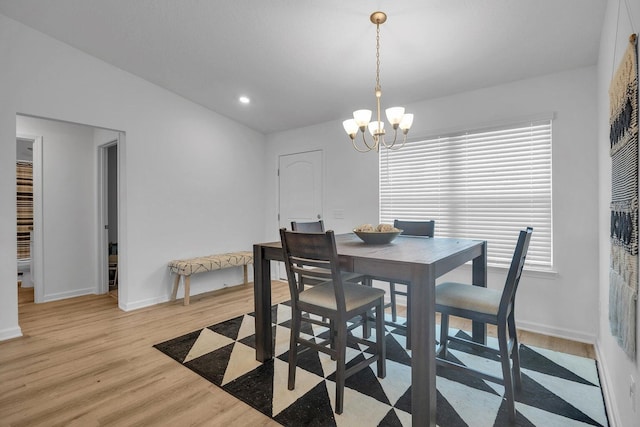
(262, 304)
(423, 339)
(479, 278)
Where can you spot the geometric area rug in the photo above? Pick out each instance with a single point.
(557, 389)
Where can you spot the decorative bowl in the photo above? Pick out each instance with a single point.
(377, 237)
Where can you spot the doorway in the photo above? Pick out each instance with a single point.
(68, 225)
(24, 223)
(108, 188)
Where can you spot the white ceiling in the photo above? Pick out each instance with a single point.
(304, 62)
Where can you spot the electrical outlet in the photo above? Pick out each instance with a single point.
(632, 392)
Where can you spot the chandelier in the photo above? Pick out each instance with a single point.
(362, 118)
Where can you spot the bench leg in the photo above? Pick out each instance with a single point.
(187, 290)
(174, 293)
(246, 277)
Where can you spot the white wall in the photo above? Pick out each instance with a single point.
(618, 368)
(69, 220)
(560, 304)
(190, 177)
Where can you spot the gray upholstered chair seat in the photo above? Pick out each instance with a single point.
(468, 297)
(355, 296)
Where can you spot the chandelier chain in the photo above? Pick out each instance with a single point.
(378, 57)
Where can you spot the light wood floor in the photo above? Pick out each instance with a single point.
(84, 362)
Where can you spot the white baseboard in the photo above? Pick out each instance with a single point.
(7, 334)
(568, 334)
(605, 385)
(68, 294)
(136, 305)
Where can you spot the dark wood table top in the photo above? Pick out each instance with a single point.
(402, 251)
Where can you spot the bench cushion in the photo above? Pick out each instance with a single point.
(187, 267)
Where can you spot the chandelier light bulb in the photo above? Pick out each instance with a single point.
(376, 128)
(350, 127)
(406, 122)
(362, 117)
(394, 115)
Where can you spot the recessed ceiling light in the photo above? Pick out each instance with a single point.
(244, 99)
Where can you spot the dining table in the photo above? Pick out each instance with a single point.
(416, 260)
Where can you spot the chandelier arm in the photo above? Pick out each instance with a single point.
(370, 147)
(395, 137)
(404, 141)
(362, 150)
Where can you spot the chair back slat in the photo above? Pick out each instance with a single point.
(415, 228)
(303, 251)
(308, 227)
(507, 301)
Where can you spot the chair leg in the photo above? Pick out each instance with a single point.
(505, 361)
(332, 336)
(381, 340)
(444, 335)
(296, 319)
(515, 352)
(392, 294)
(366, 326)
(341, 349)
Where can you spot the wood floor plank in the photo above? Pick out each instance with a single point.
(85, 362)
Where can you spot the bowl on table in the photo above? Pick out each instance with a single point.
(377, 237)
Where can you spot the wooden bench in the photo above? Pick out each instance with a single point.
(184, 268)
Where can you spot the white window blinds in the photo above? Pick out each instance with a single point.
(485, 184)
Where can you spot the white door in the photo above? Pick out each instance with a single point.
(300, 190)
(300, 187)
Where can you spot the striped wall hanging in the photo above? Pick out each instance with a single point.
(24, 204)
(623, 139)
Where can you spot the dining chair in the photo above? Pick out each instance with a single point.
(308, 227)
(409, 228)
(334, 299)
(488, 306)
(113, 271)
(318, 227)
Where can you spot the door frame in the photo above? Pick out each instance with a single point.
(102, 279)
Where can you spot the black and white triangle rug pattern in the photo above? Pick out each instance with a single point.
(558, 389)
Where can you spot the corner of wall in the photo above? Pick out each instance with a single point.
(9, 333)
(606, 386)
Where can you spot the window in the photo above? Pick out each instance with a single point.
(482, 184)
